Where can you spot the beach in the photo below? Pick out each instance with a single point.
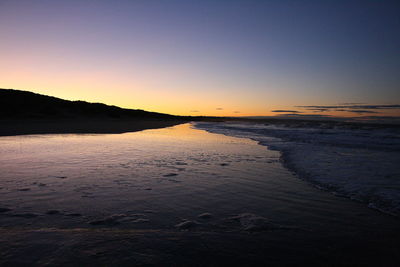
(200, 133)
(175, 196)
(10, 127)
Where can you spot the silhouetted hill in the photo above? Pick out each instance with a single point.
(16, 104)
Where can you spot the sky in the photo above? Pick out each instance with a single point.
(216, 58)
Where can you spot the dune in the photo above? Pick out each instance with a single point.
(23, 112)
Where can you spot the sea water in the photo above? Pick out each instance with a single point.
(361, 162)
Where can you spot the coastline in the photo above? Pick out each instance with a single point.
(14, 127)
(333, 160)
(176, 196)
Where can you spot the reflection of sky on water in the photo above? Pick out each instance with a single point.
(154, 179)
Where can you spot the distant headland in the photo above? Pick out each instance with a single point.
(24, 112)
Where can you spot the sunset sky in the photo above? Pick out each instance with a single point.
(235, 58)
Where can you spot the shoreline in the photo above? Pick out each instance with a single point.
(175, 196)
(291, 158)
(81, 126)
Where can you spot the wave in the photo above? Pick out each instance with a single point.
(361, 163)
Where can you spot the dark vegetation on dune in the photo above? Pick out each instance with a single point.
(17, 104)
(24, 112)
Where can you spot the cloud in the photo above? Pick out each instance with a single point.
(285, 111)
(376, 106)
(236, 112)
(194, 111)
(318, 109)
(355, 108)
(360, 111)
(396, 106)
(306, 115)
(219, 109)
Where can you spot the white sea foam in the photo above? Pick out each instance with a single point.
(358, 162)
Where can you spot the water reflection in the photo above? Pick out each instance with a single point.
(155, 179)
(96, 175)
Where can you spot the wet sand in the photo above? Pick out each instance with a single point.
(95, 125)
(175, 197)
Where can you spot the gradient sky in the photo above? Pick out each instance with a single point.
(205, 57)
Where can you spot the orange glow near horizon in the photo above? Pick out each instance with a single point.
(108, 88)
(170, 104)
(112, 89)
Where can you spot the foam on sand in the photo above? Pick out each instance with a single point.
(357, 162)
